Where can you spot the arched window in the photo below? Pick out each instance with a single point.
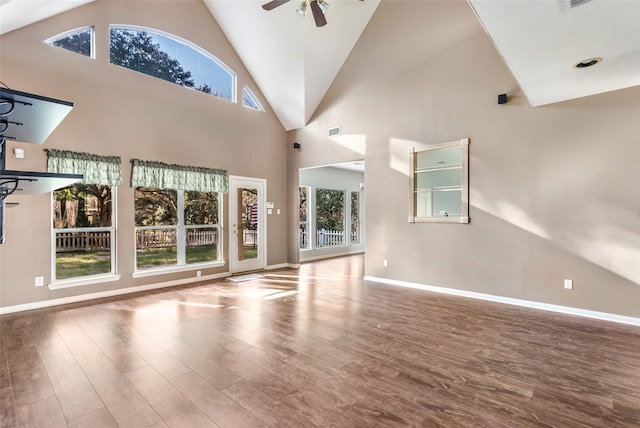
(79, 40)
(249, 100)
(171, 58)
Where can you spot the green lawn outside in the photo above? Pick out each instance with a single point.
(84, 263)
(155, 257)
(249, 253)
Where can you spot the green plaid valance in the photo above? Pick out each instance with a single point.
(164, 176)
(104, 170)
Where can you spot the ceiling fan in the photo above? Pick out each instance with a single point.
(318, 8)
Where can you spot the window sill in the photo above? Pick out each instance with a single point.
(90, 280)
(176, 269)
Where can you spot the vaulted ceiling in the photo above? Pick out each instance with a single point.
(294, 63)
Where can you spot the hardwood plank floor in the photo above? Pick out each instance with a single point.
(316, 346)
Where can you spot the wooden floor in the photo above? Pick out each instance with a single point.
(314, 347)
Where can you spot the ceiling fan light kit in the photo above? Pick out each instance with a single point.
(318, 8)
(302, 9)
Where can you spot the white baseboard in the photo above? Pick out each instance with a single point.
(110, 293)
(329, 256)
(120, 291)
(511, 301)
(281, 266)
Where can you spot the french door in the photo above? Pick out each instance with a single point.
(247, 210)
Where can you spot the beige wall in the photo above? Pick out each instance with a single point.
(554, 189)
(123, 113)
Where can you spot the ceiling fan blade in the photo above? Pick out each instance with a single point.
(273, 4)
(318, 16)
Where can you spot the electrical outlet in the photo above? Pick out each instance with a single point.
(385, 263)
(568, 284)
(39, 281)
(199, 273)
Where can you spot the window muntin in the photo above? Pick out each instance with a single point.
(176, 227)
(83, 231)
(303, 219)
(170, 58)
(330, 209)
(79, 40)
(250, 100)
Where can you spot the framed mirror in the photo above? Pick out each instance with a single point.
(440, 183)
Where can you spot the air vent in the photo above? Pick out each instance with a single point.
(576, 3)
(334, 132)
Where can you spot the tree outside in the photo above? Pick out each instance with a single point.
(137, 50)
(77, 42)
(155, 207)
(330, 209)
(82, 205)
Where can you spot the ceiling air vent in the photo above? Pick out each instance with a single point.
(576, 3)
(334, 132)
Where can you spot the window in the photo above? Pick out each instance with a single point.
(177, 213)
(330, 206)
(303, 228)
(439, 182)
(172, 59)
(249, 100)
(83, 231)
(176, 227)
(78, 41)
(355, 217)
(83, 237)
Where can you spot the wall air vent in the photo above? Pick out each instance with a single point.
(334, 132)
(576, 3)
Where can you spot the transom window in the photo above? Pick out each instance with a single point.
(171, 58)
(161, 55)
(79, 40)
(249, 100)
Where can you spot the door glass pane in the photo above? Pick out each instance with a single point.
(247, 224)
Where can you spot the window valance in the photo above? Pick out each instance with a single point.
(104, 170)
(163, 176)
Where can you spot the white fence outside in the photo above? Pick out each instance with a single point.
(249, 237)
(329, 238)
(69, 241)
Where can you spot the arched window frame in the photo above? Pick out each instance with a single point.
(187, 44)
(248, 93)
(51, 40)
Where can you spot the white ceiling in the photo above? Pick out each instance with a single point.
(294, 63)
(541, 41)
